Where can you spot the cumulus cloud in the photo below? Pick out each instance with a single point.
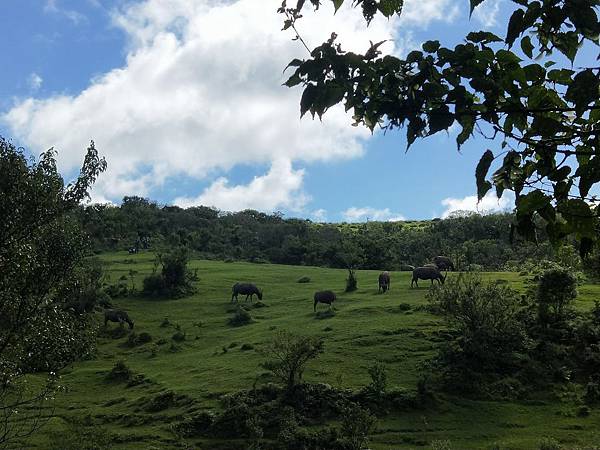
(362, 214)
(280, 187)
(319, 215)
(34, 81)
(488, 204)
(201, 92)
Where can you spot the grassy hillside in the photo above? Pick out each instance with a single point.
(216, 358)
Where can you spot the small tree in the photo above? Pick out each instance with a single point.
(41, 252)
(557, 288)
(174, 279)
(289, 355)
(357, 423)
(351, 281)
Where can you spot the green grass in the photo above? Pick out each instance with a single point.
(210, 361)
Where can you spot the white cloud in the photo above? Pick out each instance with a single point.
(362, 214)
(280, 187)
(34, 81)
(423, 12)
(52, 6)
(201, 92)
(487, 13)
(319, 215)
(489, 203)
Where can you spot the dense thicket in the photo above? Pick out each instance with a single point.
(255, 236)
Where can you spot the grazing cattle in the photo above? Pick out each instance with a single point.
(247, 289)
(327, 297)
(384, 281)
(116, 315)
(427, 273)
(443, 263)
(133, 250)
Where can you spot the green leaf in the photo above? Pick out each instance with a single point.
(308, 98)
(531, 202)
(337, 4)
(483, 186)
(467, 122)
(527, 46)
(440, 119)
(431, 46)
(483, 37)
(390, 7)
(475, 4)
(583, 90)
(515, 26)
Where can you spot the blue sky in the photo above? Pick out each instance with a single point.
(184, 99)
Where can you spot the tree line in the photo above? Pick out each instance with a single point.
(472, 240)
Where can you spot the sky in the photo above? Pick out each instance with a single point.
(185, 100)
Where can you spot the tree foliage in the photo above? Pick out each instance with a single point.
(41, 250)
(289, 355)
(522, 91)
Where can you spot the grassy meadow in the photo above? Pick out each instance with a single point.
(216, 358)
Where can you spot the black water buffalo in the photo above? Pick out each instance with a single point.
(327, 297)
(247, 289)
(117, 315)
(443, 263)
(384, 281)
(427, 273)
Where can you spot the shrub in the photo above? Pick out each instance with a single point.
(549, 444)
(120, 372)
(153, 284)
(351, 281)
(160, 402)
(196, 425)
(143, 338)
(174, 279)
(488, 336)
(179, 336)
(474, 268)
(289, 355)
(240, 317)
(378, 385)
(441, 445)
(304, 280)
(357, 424)
(557, 288)
(592, 393)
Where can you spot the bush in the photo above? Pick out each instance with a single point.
(240, 317)
(378, 385)
(441, 445)
(134, 339)
(174, 279)
(351, 281)
(357, 424)
(289, 355)
(160, 402)
(474, 268)
(154, 284)
(179, 336)
(549, 444)
(120, 372)
(488, 336)
(304, 280)
(557, 288)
